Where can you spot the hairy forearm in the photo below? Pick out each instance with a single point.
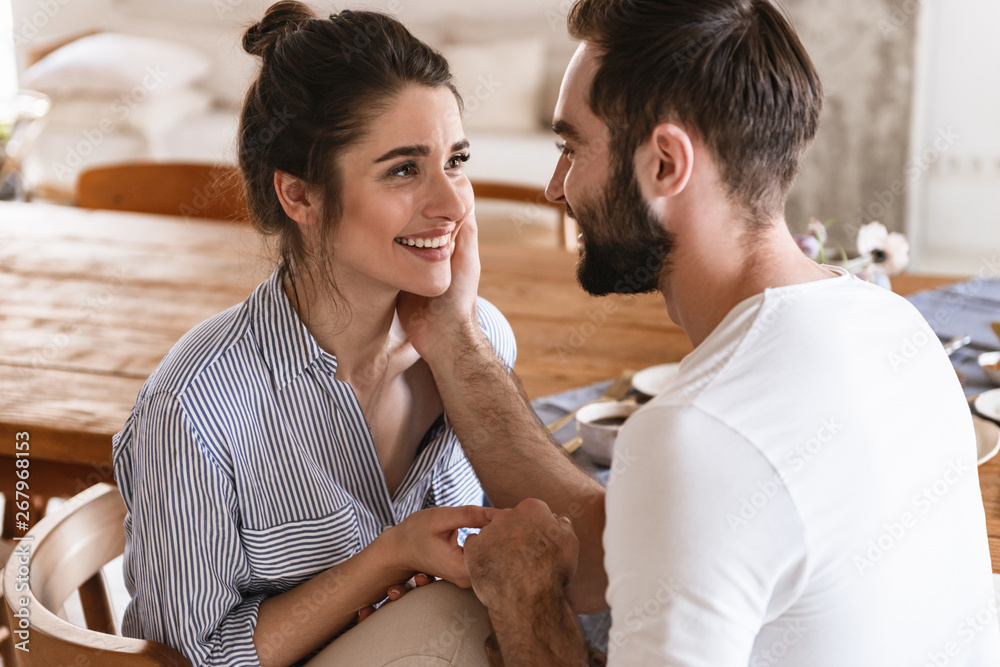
(300, 620)
(543, 634)
(514, 455)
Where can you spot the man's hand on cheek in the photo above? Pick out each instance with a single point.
(432, 323)
(525, 555)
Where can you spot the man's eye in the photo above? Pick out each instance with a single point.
(458, 160)
(561, 145)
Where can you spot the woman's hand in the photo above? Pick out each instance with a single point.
(432, 322)
(395, 592)
(427, 542)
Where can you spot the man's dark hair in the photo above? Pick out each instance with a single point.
(733, 71)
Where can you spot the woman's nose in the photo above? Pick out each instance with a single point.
(450, 198)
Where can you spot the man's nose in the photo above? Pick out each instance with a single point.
(554, 191)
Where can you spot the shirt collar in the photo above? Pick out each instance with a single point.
(285, 344)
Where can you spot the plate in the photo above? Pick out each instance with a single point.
(987, 439)
(988, 404)
(653, 380)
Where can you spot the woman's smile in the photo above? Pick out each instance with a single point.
(431, 248)
(432, 245)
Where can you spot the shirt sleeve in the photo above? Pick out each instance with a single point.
(184, 563)
(692, 576)
(498, 331)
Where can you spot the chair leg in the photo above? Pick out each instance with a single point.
(9, 511)
(96, 603)
(568, 232)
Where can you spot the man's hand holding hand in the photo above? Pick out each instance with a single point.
(525, 556)
(520, 564)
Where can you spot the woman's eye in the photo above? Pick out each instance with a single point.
(407, 169)
(456, 161)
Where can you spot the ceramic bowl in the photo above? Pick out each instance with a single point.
(598, 425)
(988, 362)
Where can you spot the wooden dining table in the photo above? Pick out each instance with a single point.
(91, 301)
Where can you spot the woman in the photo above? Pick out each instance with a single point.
(275, 463)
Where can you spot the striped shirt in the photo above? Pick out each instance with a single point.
(247, 468)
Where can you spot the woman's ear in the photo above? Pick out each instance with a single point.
(664, 163)
(299, 200)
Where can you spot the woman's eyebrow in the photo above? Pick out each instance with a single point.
(418, 151)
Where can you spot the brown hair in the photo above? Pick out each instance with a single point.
(733, 71)
(321, 84)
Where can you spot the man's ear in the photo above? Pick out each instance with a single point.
(300, 201)
(665, 161)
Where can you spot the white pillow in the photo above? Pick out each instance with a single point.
(60, 153)
(500, 82)
(112, 64)
(150, 116)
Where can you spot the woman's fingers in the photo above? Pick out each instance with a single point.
(399, 590)
(447, 519)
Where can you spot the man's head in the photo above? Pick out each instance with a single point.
(726, 77)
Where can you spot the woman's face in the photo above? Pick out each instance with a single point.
(405, 195)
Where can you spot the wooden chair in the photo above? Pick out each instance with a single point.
(6, 639)
(166, 188)
(529, 196)
(49, 480)
(68, 549)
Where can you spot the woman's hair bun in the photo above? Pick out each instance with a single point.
(281, 18)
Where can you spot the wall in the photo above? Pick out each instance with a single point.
(955, 208)
(8, 69)
(856, 169)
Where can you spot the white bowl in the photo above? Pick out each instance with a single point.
(599, 437)
(988, 362)
(987, 439)
(655, 379)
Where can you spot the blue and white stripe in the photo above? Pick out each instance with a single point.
(248, 468)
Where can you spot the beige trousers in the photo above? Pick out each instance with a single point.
(435, 625)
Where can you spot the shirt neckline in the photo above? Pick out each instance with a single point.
(699, 354)
(285, 343)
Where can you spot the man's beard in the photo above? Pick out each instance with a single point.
(625, 248)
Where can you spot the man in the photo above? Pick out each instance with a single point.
(796, 498)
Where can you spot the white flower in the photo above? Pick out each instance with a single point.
(889, 253)
(870, 237)
(897, 255)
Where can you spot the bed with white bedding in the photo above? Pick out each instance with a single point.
(122, 97)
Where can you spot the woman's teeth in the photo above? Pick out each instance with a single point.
(426, 243)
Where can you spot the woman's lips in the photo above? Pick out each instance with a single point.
(430, 254)
(435, 242)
